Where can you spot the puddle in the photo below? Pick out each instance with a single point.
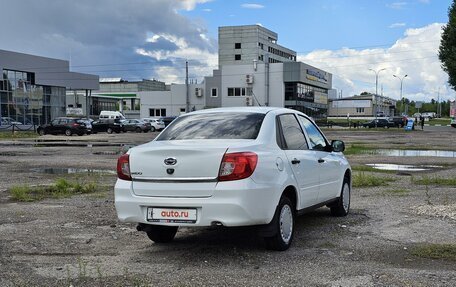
(402, 167)
(417, 153)
(58, 170)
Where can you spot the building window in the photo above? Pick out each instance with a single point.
(261, 45)
(236, 92)
(214, 92)
(261, 57)
(237, 57)
(182, 110)
(360, 110)
(157, 112)
(237, 45)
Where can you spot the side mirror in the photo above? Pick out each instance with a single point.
(338, 146)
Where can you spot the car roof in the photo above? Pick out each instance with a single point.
(261, 110)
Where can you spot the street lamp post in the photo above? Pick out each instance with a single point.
(376, 91)
(402, 100)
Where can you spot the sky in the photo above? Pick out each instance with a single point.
(152, 39)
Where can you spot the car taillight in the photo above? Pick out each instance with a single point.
(123, 167)
(75, 125)
(238, 165)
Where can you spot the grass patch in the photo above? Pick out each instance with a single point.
(61, 188)
(440, 121)
(358, 149)
(369, 180)
(436, 181)
(397, 191)
(435, 251)
(8, 135)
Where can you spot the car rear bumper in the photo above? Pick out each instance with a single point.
(237, 203)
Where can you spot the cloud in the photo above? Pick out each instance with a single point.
(207, 10)
(397, 5)
(425, 1)
(397, 25)
(252, 6)
(109, 34)
(414, 54)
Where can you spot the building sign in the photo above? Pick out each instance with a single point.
(74, 111)
(316, 75)
(306, 96)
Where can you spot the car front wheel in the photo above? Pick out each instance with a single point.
(283, 224)
(68, 132)
(161, 234)
(41, 132)
(342, 206)
(109, 131)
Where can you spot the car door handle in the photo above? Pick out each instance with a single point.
(295, 161)
(320, 160)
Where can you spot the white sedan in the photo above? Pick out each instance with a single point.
(253, 166)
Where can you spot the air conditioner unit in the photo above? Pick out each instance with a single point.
(198, 92)
(249, 79)
(248, 101)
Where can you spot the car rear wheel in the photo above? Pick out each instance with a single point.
(161, 234)
(342, 206)
(138, 130)
(152, 129)
(41, 132)
(283, 224)
(109, 131)
(68, 132)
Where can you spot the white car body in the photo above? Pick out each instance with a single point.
(195, 187)
(157, 124)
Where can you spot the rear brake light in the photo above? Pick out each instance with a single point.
(123, 167)
(75, 125)
(238, 165)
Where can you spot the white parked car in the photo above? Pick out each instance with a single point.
(157, 124)
(252, 166)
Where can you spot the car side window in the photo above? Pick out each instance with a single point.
(317, 140)
(292, 133)
(54, 122)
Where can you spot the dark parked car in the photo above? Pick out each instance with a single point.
(134, 125)
(379, 123)
(398, 121)
(107, 125)
(64, 125)
(167, 120)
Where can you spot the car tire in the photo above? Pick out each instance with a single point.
(161, 234)
(68, 132)
(283, 224)
(152, 129)
(109, 131)
(138, 130)
(342, 206)
(41, 132)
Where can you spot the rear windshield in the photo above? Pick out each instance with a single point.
(214, 126)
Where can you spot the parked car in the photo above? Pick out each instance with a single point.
(398, 121)
(429, 115)
(167, 120)
(156, 124)
(111, 115)
(135, 125)
(107, 125)
(379, 123)
(203, 170)
(7, 121)
(381, 114)
(64, 125)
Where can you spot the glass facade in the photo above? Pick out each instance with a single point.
(23, 101)
(312, 101)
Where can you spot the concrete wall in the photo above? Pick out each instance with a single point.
(173, 101)
(213, 82)
(235, 76)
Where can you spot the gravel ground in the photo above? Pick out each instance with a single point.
(78, 241)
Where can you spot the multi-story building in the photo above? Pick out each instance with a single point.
(240, 45)
(33, 88)
(253, 71)
(364, 105)
(115, 94)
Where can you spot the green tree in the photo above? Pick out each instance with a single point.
(447, 49)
